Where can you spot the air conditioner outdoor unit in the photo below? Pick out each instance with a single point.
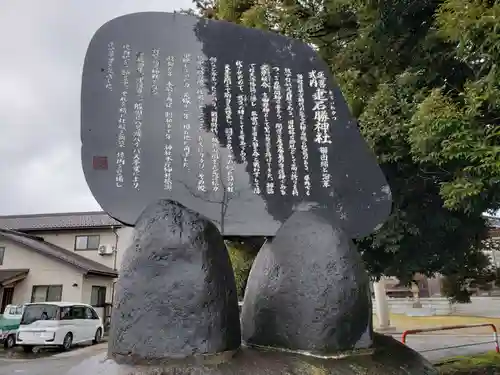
(105, 250)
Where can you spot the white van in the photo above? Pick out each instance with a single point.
(60, 324)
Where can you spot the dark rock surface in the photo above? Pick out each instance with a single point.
(308, 290)
(357, 185)
(389, 357)
(176, 295)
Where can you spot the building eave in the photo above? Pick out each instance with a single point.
(101, 273)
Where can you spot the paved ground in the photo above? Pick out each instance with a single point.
(426, 343)
(47, 363)
(54, 363)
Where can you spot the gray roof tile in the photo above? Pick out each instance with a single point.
(69, 220)
(39, 245)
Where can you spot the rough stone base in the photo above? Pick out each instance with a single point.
(389, 357)
(308, 289)
(176, 295)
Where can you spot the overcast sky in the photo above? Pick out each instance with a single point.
(43, 44)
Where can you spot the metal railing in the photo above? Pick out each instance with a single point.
(448, 328)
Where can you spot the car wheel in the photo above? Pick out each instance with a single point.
(28, 348)
(10, 342)
(97, 337)
(67, 342)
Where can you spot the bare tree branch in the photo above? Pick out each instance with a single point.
(226, 196)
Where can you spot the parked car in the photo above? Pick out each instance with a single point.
(58, 324)
(13, 312)
(9, 324)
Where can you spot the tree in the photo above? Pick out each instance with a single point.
(222, 197)
(241, 260)
(423, 79)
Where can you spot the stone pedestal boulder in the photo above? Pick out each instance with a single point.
(308, 290)
(307, 310)
(176, 294)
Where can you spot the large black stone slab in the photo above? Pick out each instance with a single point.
(308, 290)
(238, 124)
(388, 357)
(176, 295)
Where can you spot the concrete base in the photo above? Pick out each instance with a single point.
(389, 329)
(388, 356)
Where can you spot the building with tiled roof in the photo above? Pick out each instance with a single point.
(72, 256)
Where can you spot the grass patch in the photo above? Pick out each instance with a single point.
(479, 364)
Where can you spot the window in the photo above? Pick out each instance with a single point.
(90, 314)
(87, 242)
(16, 310)
(46, 293)
(73, 312)
(98, 296)
(77, 312)
(2, 253)
(66, 313)
(32, 313)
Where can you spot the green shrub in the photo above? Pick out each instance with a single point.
(455, 288)
(241, 261)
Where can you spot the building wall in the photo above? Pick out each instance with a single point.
(429, 306)
(66, 240)
(90, 281)
(125, 236)
(43, 271)
(428, 287)
(479, 306)
(495, 233)
(435, 286)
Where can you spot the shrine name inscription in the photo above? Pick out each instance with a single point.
(272, 97)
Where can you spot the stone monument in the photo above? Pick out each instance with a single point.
(195, 129)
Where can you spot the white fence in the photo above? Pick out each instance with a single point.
(480, 306)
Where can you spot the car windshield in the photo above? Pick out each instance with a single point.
(32, 313)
